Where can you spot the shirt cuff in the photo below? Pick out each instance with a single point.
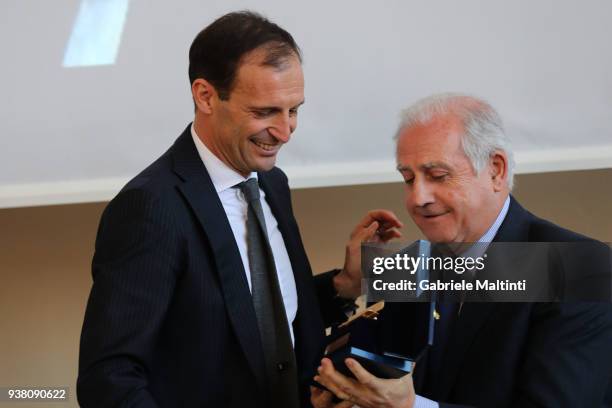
(422, 402)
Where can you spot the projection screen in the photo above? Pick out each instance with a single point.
(94, 90)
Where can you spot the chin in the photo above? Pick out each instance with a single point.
(442, 237)
(264, 166)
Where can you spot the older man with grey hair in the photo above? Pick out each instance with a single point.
(457, 166)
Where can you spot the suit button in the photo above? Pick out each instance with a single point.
(282, 365)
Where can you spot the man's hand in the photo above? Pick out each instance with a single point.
(376, 226)
(367, 391)
(324, 399)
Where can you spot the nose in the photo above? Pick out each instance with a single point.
(282, 127)
(420, 193)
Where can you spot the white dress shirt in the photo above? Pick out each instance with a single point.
(224, 178)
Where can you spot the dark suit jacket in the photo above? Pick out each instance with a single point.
(170, 321)
(524, 354)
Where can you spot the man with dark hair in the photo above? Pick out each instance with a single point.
(217, 50)
(203, 295)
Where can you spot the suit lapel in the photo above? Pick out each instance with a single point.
(299, 264)
(307, 326)
(474, 315)
(281, 211)
(201, 195)
(470, 321)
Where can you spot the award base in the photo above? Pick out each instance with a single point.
(360, 338)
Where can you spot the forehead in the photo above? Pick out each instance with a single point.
(436, 141)
(260, 83)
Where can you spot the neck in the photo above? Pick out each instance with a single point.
(203, 131)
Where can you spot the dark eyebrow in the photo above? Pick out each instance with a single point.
(273, 108)
(402, 169)
(267, 109)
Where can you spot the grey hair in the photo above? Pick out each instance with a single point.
(484, 131)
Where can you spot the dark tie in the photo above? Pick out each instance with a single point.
(442, 332)
(448, 308)
(281, 367)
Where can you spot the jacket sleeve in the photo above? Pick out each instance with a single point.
(334, 309)
(567, 359)
(134, 272)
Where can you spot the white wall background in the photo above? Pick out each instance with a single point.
(78, 134)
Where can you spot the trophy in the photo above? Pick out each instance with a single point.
(387, 338)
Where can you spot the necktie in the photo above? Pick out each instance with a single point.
(281, 367)
(448, 308)
(443, 329)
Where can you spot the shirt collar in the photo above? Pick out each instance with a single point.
(490, 234)
(222, 176)
(478, 248)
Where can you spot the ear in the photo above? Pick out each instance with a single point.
(203, 95)
(498, 170)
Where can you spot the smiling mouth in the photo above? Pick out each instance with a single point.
(432, 216)
(265, 146)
